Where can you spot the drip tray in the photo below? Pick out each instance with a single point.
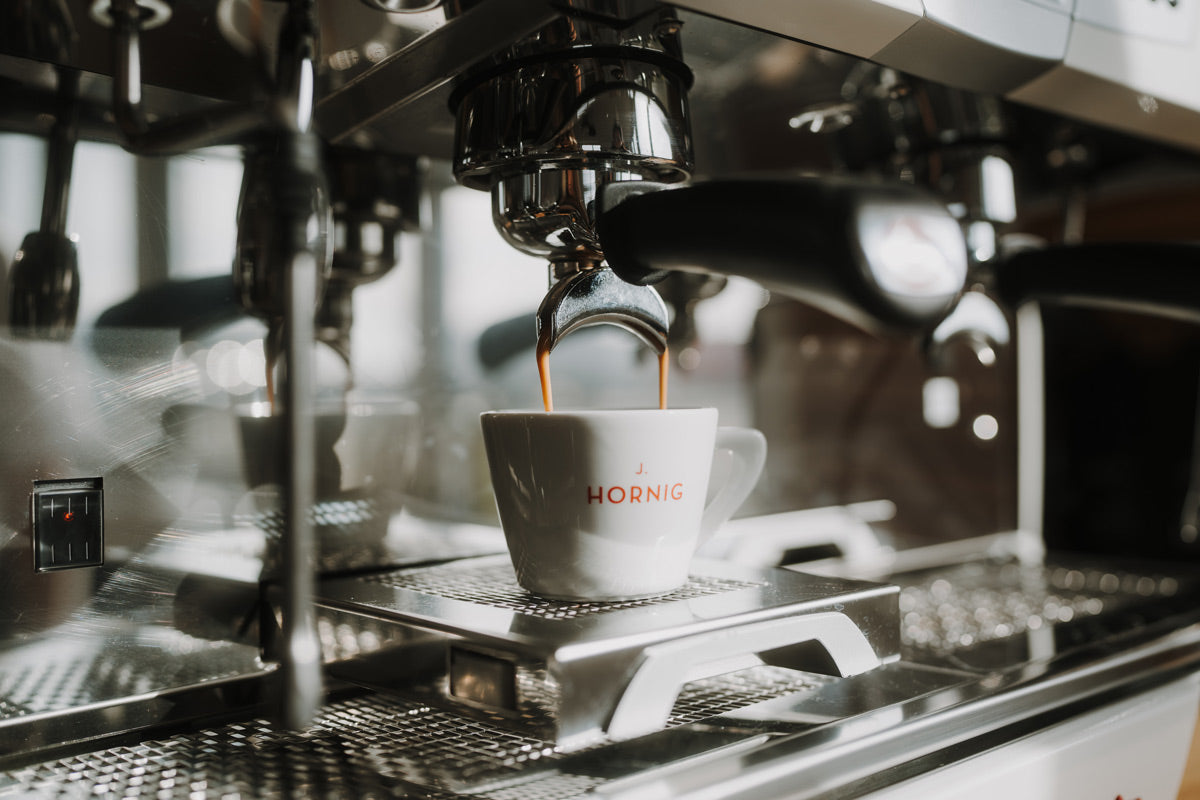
(578, 673)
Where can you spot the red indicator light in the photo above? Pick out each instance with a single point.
(70, 515)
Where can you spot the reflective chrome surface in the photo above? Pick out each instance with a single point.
(586, 102)
(148, 675)
(576, 111)
(612, 669)
(597, 296)
(552, 213)
(581, 104)
(763, 732)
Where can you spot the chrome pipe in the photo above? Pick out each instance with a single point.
(300, 655)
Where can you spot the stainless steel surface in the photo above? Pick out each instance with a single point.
(597, 296)
(551, 213)
(100, 676)
(613, 669)
(216, 125)
(148, 675)
(896, 743)
(997, 51)
(584, 103)
(969, 606)
(373, 746)
(414, 82)
(889, 744)
(300, 650)
(764, 732)
(576, 111)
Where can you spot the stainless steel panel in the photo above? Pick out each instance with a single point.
(761, 732)
(595, 670)
(372, 747)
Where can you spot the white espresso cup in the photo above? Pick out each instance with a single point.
(611, 505)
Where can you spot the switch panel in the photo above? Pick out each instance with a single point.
(68, 524)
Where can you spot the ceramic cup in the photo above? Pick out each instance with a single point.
(611, 504)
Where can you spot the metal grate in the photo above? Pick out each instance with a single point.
(60, 674)
(368, 747)
(975, 603)
(494, 585)
(700, 700)
(350, 533)
(537, 696)
(347, 515)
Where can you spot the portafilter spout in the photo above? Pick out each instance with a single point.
(597, 296)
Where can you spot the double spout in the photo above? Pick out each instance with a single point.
(597, 296)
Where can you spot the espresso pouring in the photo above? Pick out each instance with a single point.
(543, 362)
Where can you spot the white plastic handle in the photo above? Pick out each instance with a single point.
(748, 450)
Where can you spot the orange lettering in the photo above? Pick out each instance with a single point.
(635, 494)
(677, 491)
(598, 496)
(620, 499)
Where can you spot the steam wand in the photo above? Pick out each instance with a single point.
(219, 124)
(44, 285)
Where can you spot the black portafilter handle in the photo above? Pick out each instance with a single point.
(887, 257)
(1158, 279)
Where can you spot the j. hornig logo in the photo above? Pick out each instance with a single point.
(635, 493)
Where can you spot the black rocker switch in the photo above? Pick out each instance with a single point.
(68, 524)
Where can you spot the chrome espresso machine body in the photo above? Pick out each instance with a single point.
(267, 260)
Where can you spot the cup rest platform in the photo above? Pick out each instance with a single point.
(597, 671)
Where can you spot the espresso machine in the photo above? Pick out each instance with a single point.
(266, 261)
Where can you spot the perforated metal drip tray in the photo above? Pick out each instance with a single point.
(376, 746)
(991, 615)
(574, 674)
(764, 731)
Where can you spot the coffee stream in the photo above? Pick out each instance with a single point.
(543, 362)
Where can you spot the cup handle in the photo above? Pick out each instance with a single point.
(748, 449)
